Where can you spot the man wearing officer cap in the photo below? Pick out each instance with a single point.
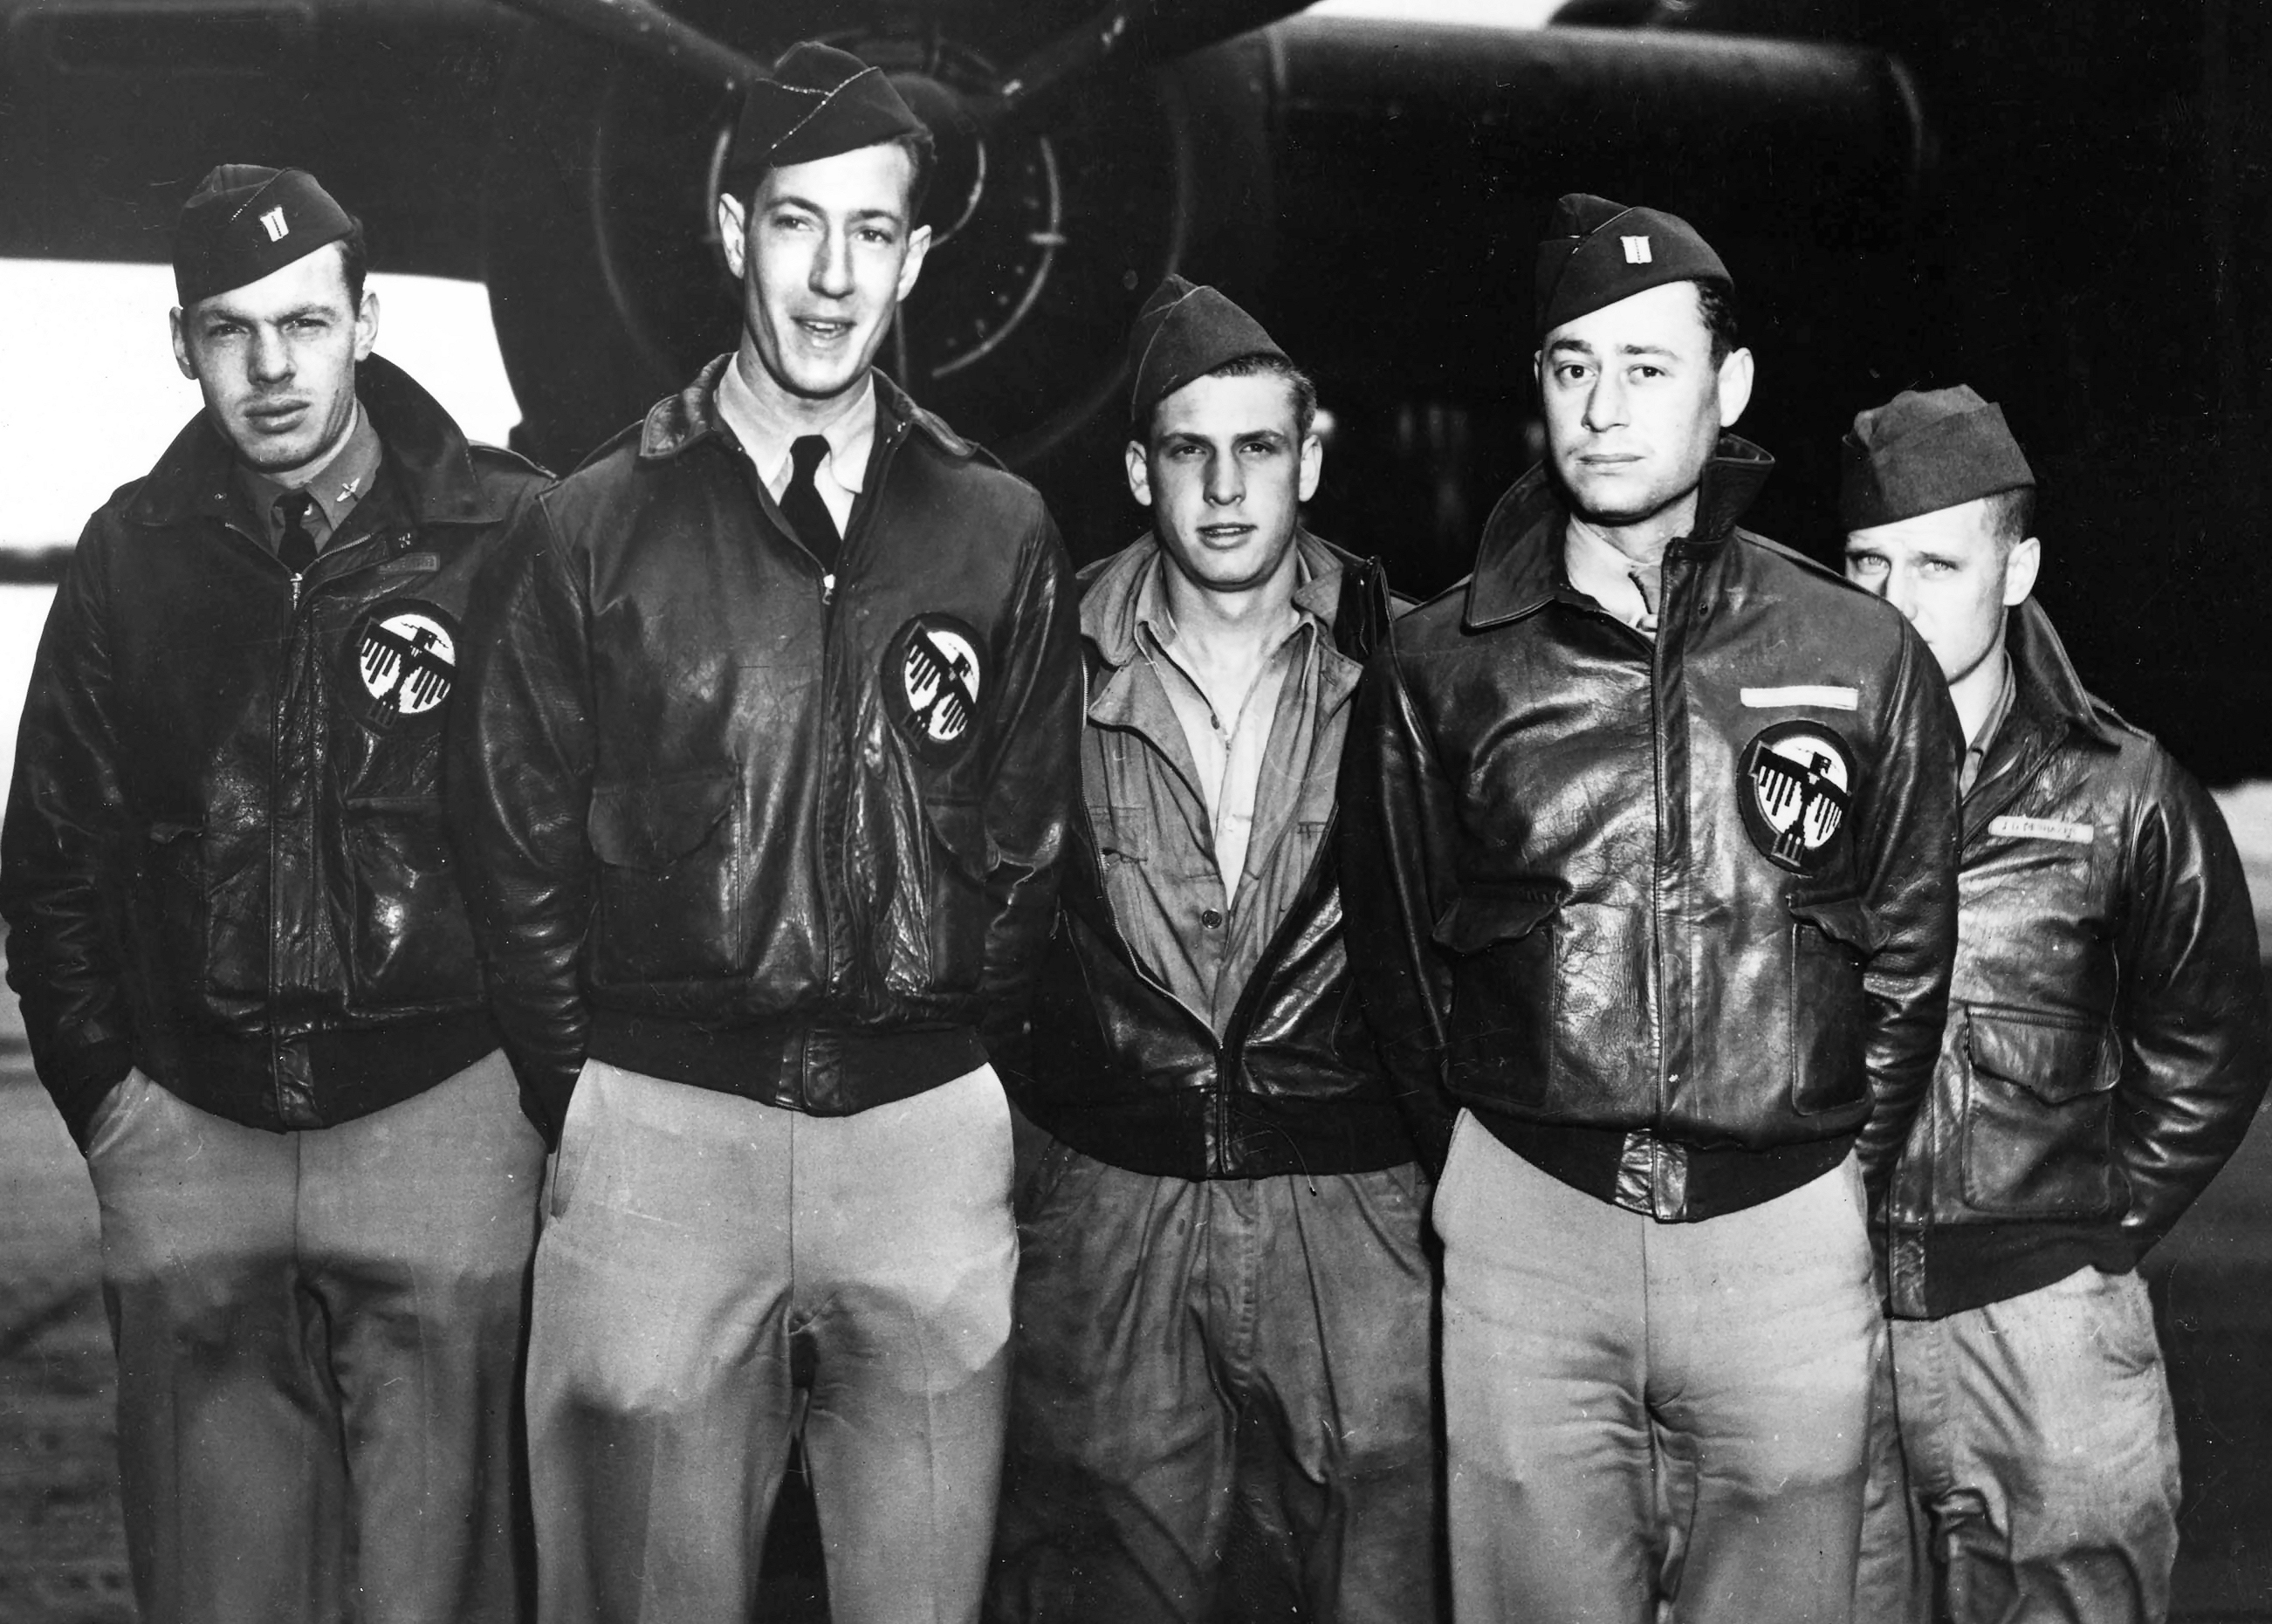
(1224, 1372)
(771, 743)
(2103, 1055)
(246, 969)
(1652, 825)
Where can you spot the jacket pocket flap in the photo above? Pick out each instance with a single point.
(653, 823)
(2055, 1061)
(960, 826)
(1845, 921)
(1478, 919)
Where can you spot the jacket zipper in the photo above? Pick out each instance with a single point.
(835, 863)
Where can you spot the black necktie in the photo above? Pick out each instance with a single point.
(801, 503)
(295, 548)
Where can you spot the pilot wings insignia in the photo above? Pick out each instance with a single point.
(933, 679)
(405, 656)
(1799, 782)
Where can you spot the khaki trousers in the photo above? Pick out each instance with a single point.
(317, 1336)
(708, 1264)
(1636, 1410)
(2024, 1463)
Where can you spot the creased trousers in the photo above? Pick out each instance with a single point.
(1636, 1409)
(319, 1334)
(710, 1265)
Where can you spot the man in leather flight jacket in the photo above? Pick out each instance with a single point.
(771, 748)
(1650, 827)
(246, 969)
(2103, 1055)
(1224, 1378)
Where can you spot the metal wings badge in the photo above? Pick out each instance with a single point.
(933, 678)
(1798, 789)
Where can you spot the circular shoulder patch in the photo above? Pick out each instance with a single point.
(934, 682)
(1798, 782)
(402, 659)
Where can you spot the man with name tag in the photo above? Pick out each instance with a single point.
(2103, 1055)
(1651, 832)
(247, 970)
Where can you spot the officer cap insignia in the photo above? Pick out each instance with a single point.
(403, 660)
(1797, 788)
(820, 102)
(1596, 252)
(934, 678)
(1924, 451)
(245, 220)
(1185, 331)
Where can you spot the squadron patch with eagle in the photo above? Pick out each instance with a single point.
(1797, 790)
(934, 680)
(402, 662)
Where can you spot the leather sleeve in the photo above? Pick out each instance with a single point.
(61, 883)
(1908, 841)
(520, 787)
(1033, 774)
(2189, 1011)
(1398, 873)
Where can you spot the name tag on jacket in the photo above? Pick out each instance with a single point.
(1822, 695)
(2041, 829)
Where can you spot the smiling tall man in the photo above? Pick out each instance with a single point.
(246, 969)
(773, 741)
(1650, 829)
(1224, 1403)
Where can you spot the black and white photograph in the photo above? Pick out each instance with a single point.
(1135, 812)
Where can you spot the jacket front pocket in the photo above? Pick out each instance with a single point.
(1504, 989)
(1829, 1063)
(175, 876)
(671, 884)
(2038, 1099)
(409, 940)
(957, 904)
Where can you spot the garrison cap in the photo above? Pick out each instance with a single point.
(1185, 331)
(1924, 451)
(820, 102)
(1597, 252)
(245, 220)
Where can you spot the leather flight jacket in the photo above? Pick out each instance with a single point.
(746, 823)
(1673, 917)
(2105, 1045)
(225, 859)
(1127, 1073)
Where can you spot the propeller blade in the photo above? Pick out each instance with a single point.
(654, 34)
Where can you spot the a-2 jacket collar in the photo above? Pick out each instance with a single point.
(676, 421)
(2049, 705)
(1519, 565)
(423, 445)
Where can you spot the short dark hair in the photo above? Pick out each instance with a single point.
(354, 261)
(2010, 515)
(1299, 383)
(1715, 302)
